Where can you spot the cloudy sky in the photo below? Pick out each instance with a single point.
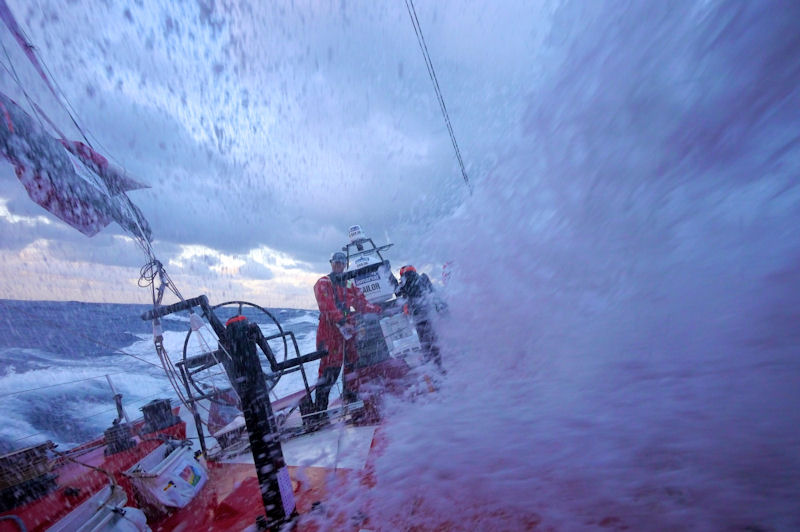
(264, 129)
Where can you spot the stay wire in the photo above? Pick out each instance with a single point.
(53, 85)
(412, 12)
(140, 235)
(437, 88)
(18, 392)
(65, 103)
(148, 274)
(50, 81)
(15, 76)
(138, 401)
(37, 112)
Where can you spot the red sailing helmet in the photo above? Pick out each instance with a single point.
(407, 268)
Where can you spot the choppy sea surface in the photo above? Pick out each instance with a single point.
(55, 356)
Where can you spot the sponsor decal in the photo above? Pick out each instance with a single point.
(370, 288)
(285, 488)
(355, 233)
(190, 475)
(368, 277)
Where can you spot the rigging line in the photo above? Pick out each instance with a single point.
(10, 67)
(80, 451)
(37, 110)
(67, 106)
(170, 371)
(141, 400)
(173, 375)
(112, 482)
(59, 92)
(106, 411)
(13, 73)
(437, 88)
(59, 384)
(42, 117)
(172, 286)
(428, 61)
(144, 246)
(412, 12)
(26, 437)
(144, 243)
(38, 62)
(148, 273)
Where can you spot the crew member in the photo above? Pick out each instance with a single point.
(418, 292)
(336, 298)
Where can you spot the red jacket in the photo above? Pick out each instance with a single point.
(331, 314)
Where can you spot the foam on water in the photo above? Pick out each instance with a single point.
(65, 396)
(68, 400)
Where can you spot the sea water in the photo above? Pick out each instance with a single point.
(55, 356)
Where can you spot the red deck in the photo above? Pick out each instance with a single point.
(230, 500)
(76, 482)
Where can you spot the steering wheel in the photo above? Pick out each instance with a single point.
(195, 378)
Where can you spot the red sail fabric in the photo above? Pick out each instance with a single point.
(114, 178)
(47, 173)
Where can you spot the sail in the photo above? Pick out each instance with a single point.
(45, 169)
(116, 179)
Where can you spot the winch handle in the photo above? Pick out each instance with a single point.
(316, 355)
(186, 304)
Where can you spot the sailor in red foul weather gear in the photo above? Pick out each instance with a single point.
(337, 299)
